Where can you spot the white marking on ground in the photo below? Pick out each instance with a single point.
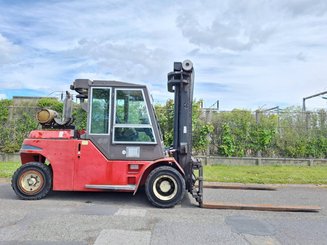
(131, 212)
(261, 240)
(123, 237)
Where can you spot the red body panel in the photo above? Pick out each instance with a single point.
(76, 163)
(61, 154)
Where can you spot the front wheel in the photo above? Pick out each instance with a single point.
(165, 187)
(32, 181)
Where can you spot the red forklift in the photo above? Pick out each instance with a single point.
(122, 147)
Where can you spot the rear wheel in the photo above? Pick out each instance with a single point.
(165, 187)
(32, 181)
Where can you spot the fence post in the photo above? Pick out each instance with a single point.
(310, 162)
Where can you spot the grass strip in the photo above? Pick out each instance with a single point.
(271, 174)
(7, 169)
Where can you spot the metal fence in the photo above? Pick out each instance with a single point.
(261, 161)
(284, 133)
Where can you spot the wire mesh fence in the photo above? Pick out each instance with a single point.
(280, 133)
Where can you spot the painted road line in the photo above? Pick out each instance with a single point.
(131, 212)
(123, 237)
(261, 240)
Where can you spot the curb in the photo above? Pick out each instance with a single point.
(5, 180)
(269, 185)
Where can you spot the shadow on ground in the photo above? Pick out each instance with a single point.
(109, 198)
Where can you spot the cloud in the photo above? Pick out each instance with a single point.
(301, 56)
(111, 41)
(8, 51)
(3, 96)
(241, 25)
(125, 60)
(232, 26)
(299, 8)
(245, 53)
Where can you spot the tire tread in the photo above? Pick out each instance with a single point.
(148, 192)
(47, 178)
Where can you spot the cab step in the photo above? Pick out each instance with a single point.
(112, 187)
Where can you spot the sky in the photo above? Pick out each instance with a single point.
(247, 54)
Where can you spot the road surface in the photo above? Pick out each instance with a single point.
(121, 218)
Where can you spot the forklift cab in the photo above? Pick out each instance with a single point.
(120, 119)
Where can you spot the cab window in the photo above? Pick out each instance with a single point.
(100, 111)
(132, 120)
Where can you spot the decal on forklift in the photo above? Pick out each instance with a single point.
(133, 151)
(61, 134)
(85, 142)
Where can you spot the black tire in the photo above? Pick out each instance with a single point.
(32, 181)
(165, 187)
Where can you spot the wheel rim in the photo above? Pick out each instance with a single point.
(165, 187)
(31, 182)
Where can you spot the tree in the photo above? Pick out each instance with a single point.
(201, 129)
(291, 133)
(165, 117)
(50, 103)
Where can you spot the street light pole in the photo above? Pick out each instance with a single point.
(61, 94)
(310, 97)
(304, 107)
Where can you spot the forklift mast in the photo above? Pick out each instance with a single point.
(181, 83)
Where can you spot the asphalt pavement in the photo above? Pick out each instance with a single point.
(120, 218)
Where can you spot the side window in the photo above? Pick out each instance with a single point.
(132, 120)
(100, 111)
